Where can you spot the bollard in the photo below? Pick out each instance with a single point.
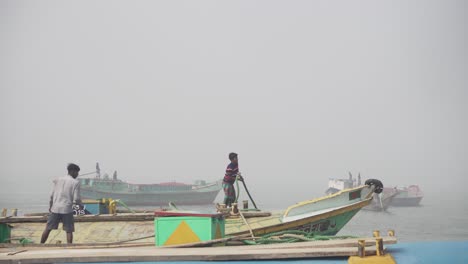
(246, 204)
(379, 246)
(376, 233)
(234, 208)
(112, 207)
(361, 248)
(4, 212)
(221, 208)
(391, 232)
(14, 212)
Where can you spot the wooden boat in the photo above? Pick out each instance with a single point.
(406, 196)
(322, 216)
(156, 194)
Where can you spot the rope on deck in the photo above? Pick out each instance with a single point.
(124, 205)
(291, 236)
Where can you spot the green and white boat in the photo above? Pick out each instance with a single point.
(322, 216)
(153, 194)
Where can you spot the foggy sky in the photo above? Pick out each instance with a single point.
(302, 90)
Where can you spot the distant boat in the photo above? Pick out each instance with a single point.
(407, 196)
(156, 194)
(380, 202)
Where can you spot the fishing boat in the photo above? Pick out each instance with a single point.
(406, 196)
(156, 194)
(321, 216)
(381, 201)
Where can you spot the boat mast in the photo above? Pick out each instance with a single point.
(98, 171)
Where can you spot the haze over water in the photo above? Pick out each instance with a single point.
(302, 90)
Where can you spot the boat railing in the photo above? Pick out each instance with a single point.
(339, 199)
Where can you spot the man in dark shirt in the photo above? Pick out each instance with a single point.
(232, 171)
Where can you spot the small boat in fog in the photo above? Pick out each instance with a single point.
(407, 196)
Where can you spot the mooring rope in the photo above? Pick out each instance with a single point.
(246, 190)
(291, 236)
(124, 205)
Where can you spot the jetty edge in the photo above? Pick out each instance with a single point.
(79, 253)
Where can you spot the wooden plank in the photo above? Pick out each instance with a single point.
(349, 242)
(83, 218)
(144, 216)
(176, 254)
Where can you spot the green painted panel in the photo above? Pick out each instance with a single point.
(5, 232)
(203, 227)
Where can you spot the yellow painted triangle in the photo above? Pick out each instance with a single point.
(182, 234)
(218, 231)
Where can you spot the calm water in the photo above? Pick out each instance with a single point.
(436, 219)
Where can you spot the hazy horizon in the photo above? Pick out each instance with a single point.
(302, 90)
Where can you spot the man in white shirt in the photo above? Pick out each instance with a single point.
(66, 191)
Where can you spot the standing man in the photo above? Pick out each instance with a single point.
(232, 171)
(66, 191)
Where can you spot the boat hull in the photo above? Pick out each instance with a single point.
(407, 196)
(154, 199)
(322, 216)
(375, 204)
(150, 194)
(324, 224)
(406, 201)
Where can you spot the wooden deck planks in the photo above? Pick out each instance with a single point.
(173, 254)
(313, 249)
